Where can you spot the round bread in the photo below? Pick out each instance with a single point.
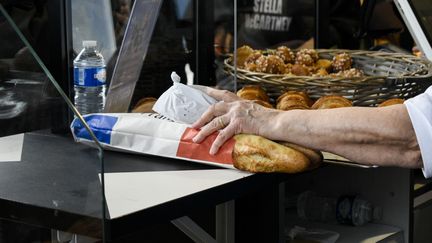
(144, 105)
(257, 154)
(315, 157)
(331, 101)
(394, 101)
(253, 92)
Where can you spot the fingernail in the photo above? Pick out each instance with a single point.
(212, 151)
(194, 139)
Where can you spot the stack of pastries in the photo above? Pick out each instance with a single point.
(304, 62)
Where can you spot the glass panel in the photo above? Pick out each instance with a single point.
(50, 189)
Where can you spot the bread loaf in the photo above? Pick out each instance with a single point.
(257, 154)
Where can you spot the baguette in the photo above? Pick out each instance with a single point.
(257, 154)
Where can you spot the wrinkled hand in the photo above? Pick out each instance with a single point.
(231, 116)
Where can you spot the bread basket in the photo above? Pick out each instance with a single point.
(387, 75)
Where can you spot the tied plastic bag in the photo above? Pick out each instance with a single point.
(183, 103)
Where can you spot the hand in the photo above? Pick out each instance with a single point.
(231, 118)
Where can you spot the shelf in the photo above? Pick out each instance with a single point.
(369, 233)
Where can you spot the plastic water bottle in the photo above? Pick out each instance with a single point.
(89, 79)
(347, 209)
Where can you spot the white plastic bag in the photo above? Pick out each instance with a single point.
(183, 103)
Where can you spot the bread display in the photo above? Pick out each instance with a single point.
(394, 101)
(292, 100)
(331, 101)
(253, 92)
(257, 154)
(304, 62)
(144, 105)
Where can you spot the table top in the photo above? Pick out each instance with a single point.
(55, 182)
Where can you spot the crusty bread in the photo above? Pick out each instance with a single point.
(257, 154)
(331, 101)
(394, 101)
(315, 157)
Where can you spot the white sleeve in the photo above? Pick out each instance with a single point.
(420, 112)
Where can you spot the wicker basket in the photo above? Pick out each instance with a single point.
(387, 75)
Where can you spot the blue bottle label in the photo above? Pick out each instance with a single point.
(89, 77)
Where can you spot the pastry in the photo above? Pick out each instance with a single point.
(242, 53)
(320, 73)
(300, 70)
(270, 64)
(331, 101)
(257, 154)
(286, 54)
(324, 64)
(393, 101)
(341, 62)
(306, 57)
(253, 92)
(292, 100)
(350, 73)
(263, 103)
(144, 105)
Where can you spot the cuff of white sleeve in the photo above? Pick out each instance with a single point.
(419, 110)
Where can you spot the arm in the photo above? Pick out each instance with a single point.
(381, 136)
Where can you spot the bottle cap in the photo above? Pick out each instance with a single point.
(89, 43)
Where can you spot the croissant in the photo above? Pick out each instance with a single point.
(253, 92)
(291, 100)
(393, 101)
(331, 101)
(144, 105)
(257, 154)
(263, 103)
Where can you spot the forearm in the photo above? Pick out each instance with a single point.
(381, 136)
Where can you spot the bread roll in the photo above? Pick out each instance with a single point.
(394, 101)
(144, 105)
(257, 154)
(253, 92)
(331, 101)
